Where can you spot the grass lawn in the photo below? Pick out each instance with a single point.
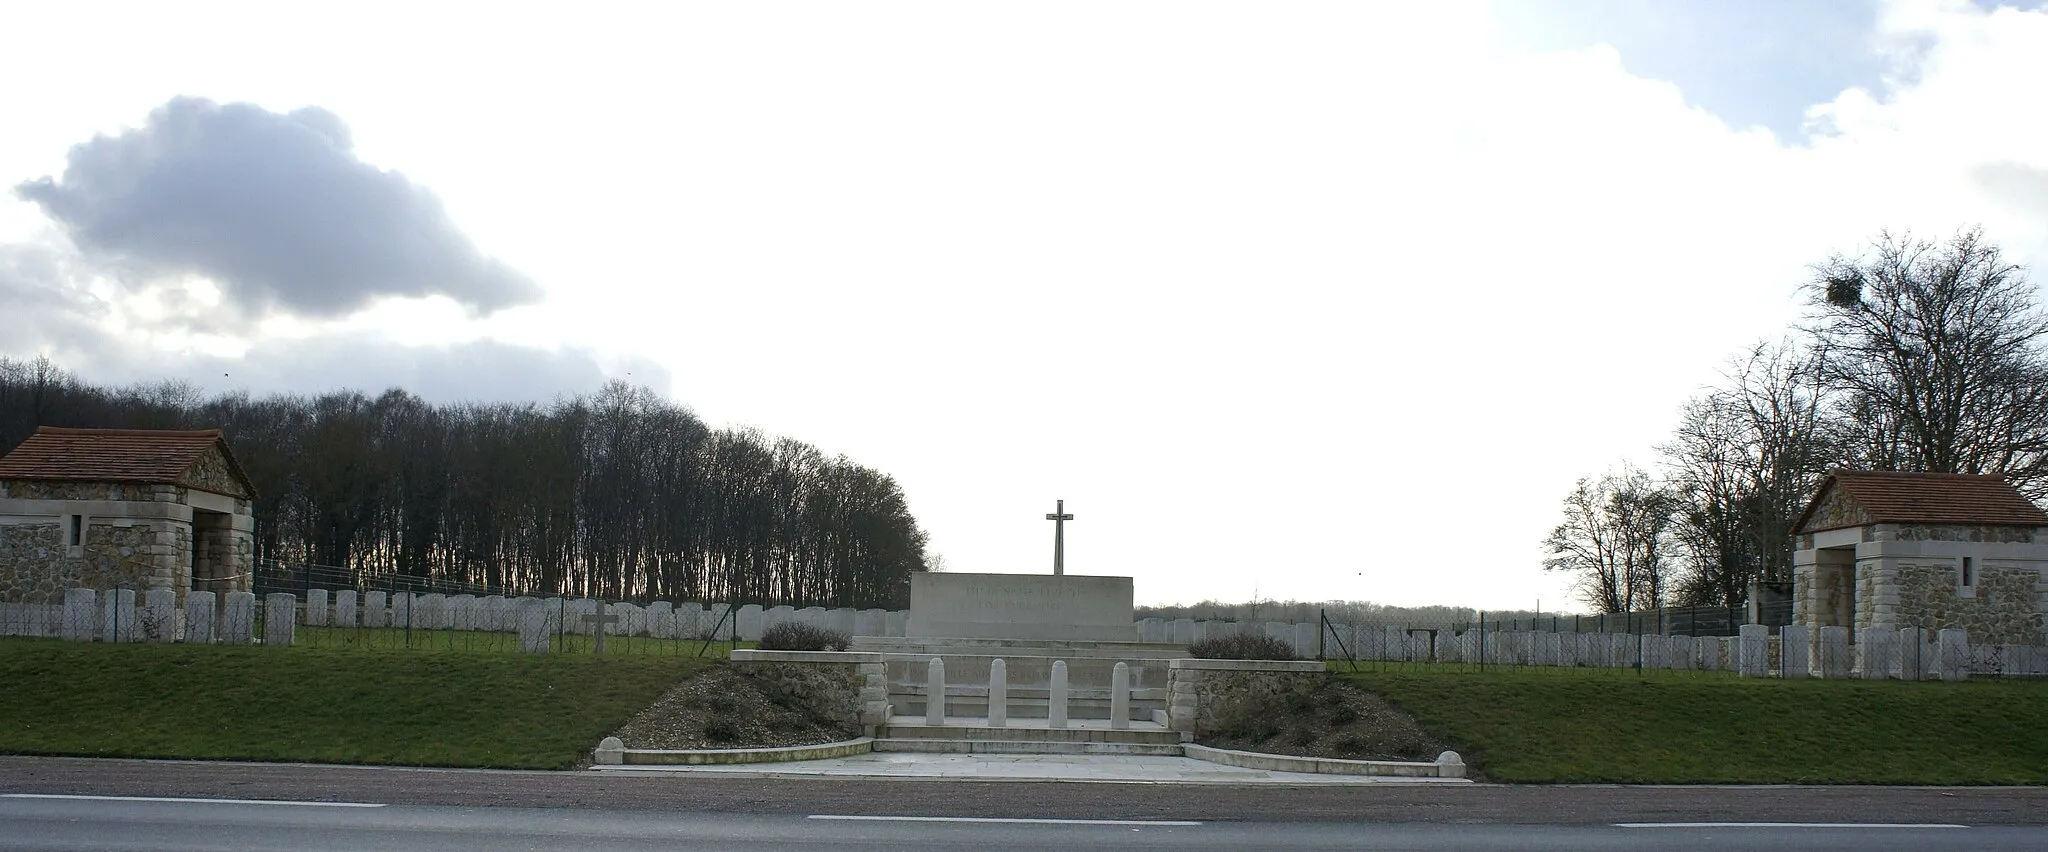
(323, 705)
(1559, 726)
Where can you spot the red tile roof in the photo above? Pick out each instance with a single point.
(1893, 497)
(153, 456)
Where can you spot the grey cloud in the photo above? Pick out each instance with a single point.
(480, 371)
(275, 207)
(43, 313)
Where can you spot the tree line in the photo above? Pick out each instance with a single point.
(1913, 356)
(619, 494)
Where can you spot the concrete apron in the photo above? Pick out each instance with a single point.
(1072, 768)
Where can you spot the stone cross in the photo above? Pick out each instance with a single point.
(599, 620)
(1059, 519)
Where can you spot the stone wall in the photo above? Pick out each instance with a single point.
(2003, 608)
(849, 687)
(36, 566)
(1207, 696)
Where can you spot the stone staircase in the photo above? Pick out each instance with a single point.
(972, 735)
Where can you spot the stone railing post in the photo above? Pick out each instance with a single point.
(935, 692)
(1120, 697)
(1056, 708)
(998, 694)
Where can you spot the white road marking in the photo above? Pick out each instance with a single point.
(1016, 820)
(1786, 825)
(190, 801)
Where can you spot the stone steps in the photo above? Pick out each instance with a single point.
(1028, 747)
(972, 735)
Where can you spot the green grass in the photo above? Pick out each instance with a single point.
(489, 642)
(1559, 726)
(323, 705)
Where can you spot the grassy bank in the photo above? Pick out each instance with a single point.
(325, 705)
(1550, 726)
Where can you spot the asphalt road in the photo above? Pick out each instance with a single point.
(35, 823)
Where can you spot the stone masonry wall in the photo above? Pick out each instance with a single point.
(36, 566)
(852, 694)
(2004, 609)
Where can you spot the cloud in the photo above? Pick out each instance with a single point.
(275, 208)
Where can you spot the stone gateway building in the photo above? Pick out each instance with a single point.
(1927, 550)
(145, 509)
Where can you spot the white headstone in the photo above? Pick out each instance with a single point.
(813, 616)
(661, 620)
(1953, 654)
(777, 615)
(280, 616)
(237, 618)
(1305, 633)
(537, 619)
(690, 620)
(750, 623)
(433, 612)
(841, 620)
(1794, 649)
(871, 622)
(405, 611)
(376, 610)
(344, 611)
(200, 611)
(1181, 632)
(632, 620)
(1753, 645)
(1152, 630)
(81, 615)
(117, 616)
(160, 615)
(1877, 651)
(1833, 650)
(316, 607)
(717, 621)
(1395, 643)
(464, 613)
(897, 624)
(1912, 654)
(1685, 652)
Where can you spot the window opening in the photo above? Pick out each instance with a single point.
(77, 530)
(1969, 573)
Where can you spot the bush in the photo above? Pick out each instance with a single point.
(1241, 646)
(797, 636)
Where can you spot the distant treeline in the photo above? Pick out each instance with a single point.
(1339, 612)
(620, 494)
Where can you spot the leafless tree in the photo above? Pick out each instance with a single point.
(1615, 540)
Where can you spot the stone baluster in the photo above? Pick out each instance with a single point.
(998, 694)
(1056, 708)
(1120, 697)
(935, 692)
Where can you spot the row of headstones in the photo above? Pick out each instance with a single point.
(1910, 653)
(117, 615)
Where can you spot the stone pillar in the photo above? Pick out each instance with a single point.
(280, 613)
(1954, 654)
(316, 607)
(81, 615)
(750, 623)
(375, 611)
(1753, 648)
(1794, 646)
(1120, 697)
(935, 692)
(998, 693)
(117, 616)
(200, 611)
(238, 618)
(160, 615)
(343, 612)
(1056, 706)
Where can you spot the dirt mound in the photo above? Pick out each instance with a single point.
(720, 708)
(1333, 718)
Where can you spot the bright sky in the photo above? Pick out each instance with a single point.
(1303, 300)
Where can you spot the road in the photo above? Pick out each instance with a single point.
(387, 808)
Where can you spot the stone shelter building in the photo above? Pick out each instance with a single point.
(148, 509)
(1927, 550)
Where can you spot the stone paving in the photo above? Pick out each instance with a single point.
(1025, 767)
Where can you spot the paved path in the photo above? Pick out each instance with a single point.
(1024, 767)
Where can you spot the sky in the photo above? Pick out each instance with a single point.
(1311, 301)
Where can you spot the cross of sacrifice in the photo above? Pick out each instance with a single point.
(598, 621)
(1059, 519)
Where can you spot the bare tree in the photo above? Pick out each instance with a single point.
(1934, 353)
(1743, 461)
(1615, 539)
